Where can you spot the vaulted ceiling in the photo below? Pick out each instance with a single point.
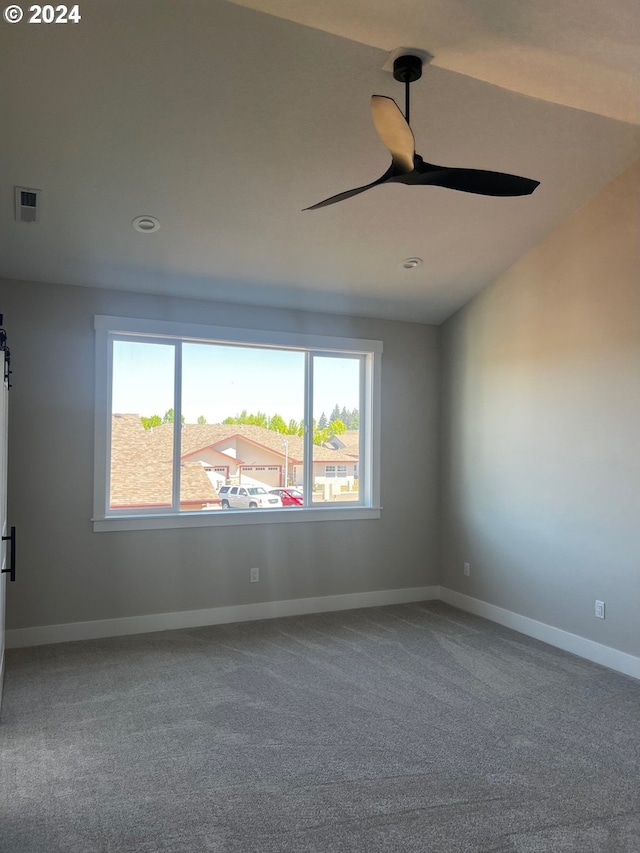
(224, 120)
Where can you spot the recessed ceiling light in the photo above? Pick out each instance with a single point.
(411, 263)
(146, 224)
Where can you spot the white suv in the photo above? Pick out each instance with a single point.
(248, 497)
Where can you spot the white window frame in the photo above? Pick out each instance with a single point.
(109, 328)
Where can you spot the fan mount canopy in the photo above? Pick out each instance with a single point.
(407, 69)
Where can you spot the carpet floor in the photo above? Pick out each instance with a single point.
(406, 728)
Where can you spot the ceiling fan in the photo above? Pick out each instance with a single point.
(407, 167)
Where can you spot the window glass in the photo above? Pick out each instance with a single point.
(141, 452)
(337, 383)
(244, 407)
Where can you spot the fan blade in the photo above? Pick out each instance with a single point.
(394, 131)
(349, 193)
(474, 180)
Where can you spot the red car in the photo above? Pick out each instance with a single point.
(289, 497)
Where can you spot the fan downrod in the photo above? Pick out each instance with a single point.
(407, 69)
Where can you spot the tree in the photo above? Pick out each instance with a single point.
(344, 416)
(337, 427)
(320, 435)
(169, 417)
(150, 422)
(354, 420)
(202, 419)
(335, 413)
(260, 419)
(323, 422)
(277, 423)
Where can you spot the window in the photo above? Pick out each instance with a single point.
(336, 470)
(184, 411)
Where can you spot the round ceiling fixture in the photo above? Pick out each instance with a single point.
(411, 263)
(146, 224)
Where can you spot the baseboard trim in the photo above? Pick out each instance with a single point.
(1, 677)
(45, 634)
(589, 649)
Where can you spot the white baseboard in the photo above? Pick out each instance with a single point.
(596, 652)
(589, 649)
(44, 634)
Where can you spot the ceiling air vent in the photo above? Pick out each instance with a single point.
(27, 204)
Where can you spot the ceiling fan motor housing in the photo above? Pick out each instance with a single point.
(407, 69)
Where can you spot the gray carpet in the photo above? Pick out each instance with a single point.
(407, 728)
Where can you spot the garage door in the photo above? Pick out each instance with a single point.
(269, 476)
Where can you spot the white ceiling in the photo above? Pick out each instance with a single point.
(578, 53)
(224, 122)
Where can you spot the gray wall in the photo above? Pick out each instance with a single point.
(68, 573)
(539, 442)
(541, 429)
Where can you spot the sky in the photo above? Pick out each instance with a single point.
(220, 381)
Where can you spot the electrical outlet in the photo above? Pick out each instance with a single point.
(467, 569)
(599, 609)
(255, 575)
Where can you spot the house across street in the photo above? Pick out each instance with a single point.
(213, 455)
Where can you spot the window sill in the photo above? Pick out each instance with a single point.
(230, 518)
